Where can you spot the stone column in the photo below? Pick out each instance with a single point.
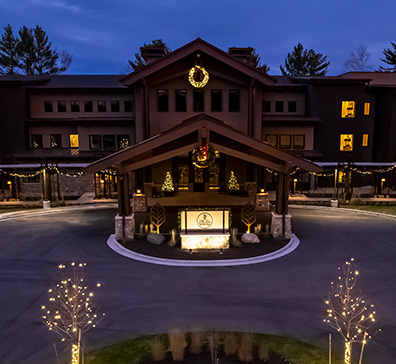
(280, 222)
(262, 202)
(125, 227)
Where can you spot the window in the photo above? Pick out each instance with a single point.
(366, 108)
(48, 107)
(266, 106)
(115, 106)
(365, 140)
(234, 102)
(109, 142)
(184, 176)
(278, 106)
(88, 106)
(101, 106)
(162, 100)
(75, 106)
(37, 141)
(127, 106)
(95, 142)
(73, 140)
(180, 100)
(348, 109)
(272, 139)
(199, 100)
(61, 106)
(298, 141)
(285, 141)
(216, 96)
(122, 141)
(292, 106)
(346, 142)
(56, 140)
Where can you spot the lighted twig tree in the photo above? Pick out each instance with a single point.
(248, 215)
(348, 311)
(71, 309)
(157, 216)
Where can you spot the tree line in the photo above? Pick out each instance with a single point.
(29, 52)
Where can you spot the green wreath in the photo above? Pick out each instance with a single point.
(203, 156)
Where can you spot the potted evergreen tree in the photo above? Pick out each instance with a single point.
(233, 185)
(167, 187)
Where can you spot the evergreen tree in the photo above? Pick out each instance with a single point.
(167, 186)
(45, 61)
(233, 184)
(262, 67)
(390, 58)
(139, 61)
(25, 50)
(304, 62)
(8, 52)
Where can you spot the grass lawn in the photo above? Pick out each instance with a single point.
(390, 209)
(138, 351)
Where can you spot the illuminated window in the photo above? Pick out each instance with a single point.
(346, 142)
(365, 140)
(73, 140)
(366, 108)
(285, 141)
(61, 106)
(348, 109)
(56, 140)
(272, 139)
(48, 106)
(162, 100)
(298, 141)
(75, 106)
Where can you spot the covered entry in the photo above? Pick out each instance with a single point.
(201, 133)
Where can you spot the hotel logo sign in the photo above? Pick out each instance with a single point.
(204, 220)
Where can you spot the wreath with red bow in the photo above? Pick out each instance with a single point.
(203, 156)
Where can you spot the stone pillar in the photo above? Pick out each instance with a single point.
(124, 227)
(139, 202)
(262, 202)
(277, 225)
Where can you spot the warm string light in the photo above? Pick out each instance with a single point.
(53, 168)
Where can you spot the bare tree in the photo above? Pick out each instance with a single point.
(71, 309)
(359, 60)
(348, 311)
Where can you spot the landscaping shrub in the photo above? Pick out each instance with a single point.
(177, 342)
(230, 341)
(245, 350)
(158, 349)
(197, 341)
(263, 351)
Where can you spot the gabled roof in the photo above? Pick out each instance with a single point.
(204, 47)
(199, 130)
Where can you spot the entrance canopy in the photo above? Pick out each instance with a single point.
(198, 131)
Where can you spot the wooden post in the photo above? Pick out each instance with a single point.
(124, 202)
(47, 184)
(279, 193)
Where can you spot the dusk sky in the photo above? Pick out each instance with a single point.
(102, 35)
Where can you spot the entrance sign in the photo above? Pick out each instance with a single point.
(205, 229)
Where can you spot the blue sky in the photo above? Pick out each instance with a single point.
(103, 35)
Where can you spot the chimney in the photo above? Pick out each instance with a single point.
(151, 54)
(244, 54)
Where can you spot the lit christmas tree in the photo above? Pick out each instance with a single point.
(167, 186)
(348, 312)
(233, 184)
(71, 309)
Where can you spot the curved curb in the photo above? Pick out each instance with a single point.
(118, 248)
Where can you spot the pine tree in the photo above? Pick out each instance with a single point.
(390, 58)
(304, 62)
(8, 52)
(25, 50)
(45, 62)
(233, 184)
(167, 186)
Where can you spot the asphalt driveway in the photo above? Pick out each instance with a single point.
(284, 296)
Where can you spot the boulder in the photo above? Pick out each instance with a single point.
(250, 238)
(156, 239)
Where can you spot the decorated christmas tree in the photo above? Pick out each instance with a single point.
(167, 186)
(233, 184)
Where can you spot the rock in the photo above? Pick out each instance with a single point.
(250, 238)
(156, 239)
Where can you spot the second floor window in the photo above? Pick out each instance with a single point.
(88, 106)
(162, 100)
(48, 107)
(278, 106)
(216, 96)
(199, 100)
(180, 100)
(61, 106)
(75, 106)
(348, 109)
(115, 106)
(292, 106)
(73, 141)
(56, 140)
(234, 101)
(101, 106)
(37, 141)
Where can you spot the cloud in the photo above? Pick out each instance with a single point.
(58, 4)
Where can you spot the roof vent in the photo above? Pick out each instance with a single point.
(243, 54)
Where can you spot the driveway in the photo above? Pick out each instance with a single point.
(283, 296)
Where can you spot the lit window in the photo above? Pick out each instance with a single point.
(348, 109)
(272, 139)
(298, 141)
(285, 141)
(75, 106)
(365, 140)
(346, 142)
(56, 140)
(73, 140)
(48, 106)
(366, 108)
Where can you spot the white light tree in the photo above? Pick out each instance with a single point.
(71, 309)
(348, 311)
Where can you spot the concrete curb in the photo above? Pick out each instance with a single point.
(52, 211)
(118, 248)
